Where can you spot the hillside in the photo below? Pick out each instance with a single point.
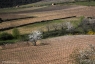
(11, 3)
(57, 0)
(57, 51)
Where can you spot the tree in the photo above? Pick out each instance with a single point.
(85, 25)
(48, 28)
(69, 26)
(34, 36)
(16, 33)
(55, 26)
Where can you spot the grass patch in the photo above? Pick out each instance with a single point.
(92, 3)
(42, 25)
(13, 9)
(75, 21)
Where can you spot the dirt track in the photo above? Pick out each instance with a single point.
(56, 52)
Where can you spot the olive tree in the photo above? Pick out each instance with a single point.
(34, 36)
(69, 26)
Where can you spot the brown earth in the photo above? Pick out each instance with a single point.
(16, 14)
(56, 52)
(50, 15)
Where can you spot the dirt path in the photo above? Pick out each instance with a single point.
(56, 52)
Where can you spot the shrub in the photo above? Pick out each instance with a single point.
(86, 56)
(91, 32)
(5, 36)
(24, 37)
(16, 33)
(81, 18)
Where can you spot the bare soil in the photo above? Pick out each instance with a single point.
(11, 15)
(50, 15)
(56, 52)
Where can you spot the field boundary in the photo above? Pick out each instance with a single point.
(53, 15)
(10, 27)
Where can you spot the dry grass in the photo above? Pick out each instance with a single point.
(56, 52)
(42, 26)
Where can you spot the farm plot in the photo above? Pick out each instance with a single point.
(56, 52)
(50, 15)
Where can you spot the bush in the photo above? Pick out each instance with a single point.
(16, 33)
(53, 33)
(86, 56)
(91, 32)
(24, 37)
(5, 36)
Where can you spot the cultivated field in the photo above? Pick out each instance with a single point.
(56, 51)
(47, 14)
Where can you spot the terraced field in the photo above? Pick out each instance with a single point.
(48, 15)
(57, 51)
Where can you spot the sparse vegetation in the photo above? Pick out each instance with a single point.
(85, 3)
(16, 33)
(86, 56)
(5, 36)
(59, 27)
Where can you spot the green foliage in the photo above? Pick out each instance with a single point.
(86, 3)
(81, 18)
(5, 36)
(54, 33)
(7, 42)
(24, 37)
(16, 33)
